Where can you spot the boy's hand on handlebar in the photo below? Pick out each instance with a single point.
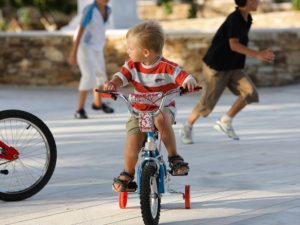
(190, 85)
(109, 86)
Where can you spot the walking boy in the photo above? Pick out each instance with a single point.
(223, 67)
(88, 52)
(148, 71)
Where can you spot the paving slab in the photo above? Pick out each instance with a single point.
(254, 181)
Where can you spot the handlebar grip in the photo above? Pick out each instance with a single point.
(186, 91)
(107, 94)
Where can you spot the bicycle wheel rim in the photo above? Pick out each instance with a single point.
(153, 196)
(29, 169)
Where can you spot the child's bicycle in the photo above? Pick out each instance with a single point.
(27, 155)
(152, 173)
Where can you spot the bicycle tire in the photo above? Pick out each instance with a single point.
(149, 197)
(28, 174)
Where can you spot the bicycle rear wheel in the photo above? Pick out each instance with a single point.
(30, 172)
(149, 196)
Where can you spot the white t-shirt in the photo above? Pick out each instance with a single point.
(94, 24)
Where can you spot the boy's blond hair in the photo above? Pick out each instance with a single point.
(148, 34)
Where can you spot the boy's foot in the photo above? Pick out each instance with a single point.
(178, 166)
(227, 129)
(124, 183)
(80, 114)
(186, 134)
(103, 107)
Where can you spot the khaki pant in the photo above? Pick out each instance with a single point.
(215, 82)
(132, 125)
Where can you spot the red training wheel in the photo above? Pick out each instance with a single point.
(187, 197)
(123, 199)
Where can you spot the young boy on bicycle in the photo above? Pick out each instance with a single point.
(148, 71)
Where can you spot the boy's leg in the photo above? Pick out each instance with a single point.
(242, 86)
(163, 123)
(98, 104)
(214, 84)
(132, 150)
(224, 123)
(133, 146)
(97, 100)
(81, 99)
(100, 78)
(80, 112)
(237, 106)
(86, 66)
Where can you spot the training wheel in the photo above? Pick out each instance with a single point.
(123, 199)
(187, 197)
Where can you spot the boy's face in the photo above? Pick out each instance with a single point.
(252, 5)
(135, 52)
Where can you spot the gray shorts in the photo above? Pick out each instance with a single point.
(214, 83)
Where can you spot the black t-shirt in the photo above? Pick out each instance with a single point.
(219, 55)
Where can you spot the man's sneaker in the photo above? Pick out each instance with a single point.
(103, 107)
(80, 114)
(227, 129)
(186, 134)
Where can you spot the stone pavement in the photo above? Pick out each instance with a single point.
(254, 181)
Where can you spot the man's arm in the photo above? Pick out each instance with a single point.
(264, 55)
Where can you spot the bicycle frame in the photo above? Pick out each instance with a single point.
(153, 156)
(150, 152)
(152, 174)
(7, 152)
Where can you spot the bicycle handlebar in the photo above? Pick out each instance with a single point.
(125, 96)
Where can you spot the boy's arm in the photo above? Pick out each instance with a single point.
(264, 55)
(114, 84)
(73, 54)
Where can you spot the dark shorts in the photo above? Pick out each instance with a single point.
(214, 83)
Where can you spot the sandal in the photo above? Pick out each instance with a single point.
(178, 166)
(127, 185)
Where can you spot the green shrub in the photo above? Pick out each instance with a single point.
(296, 4)
(193, 10)
(166, 4)
(66, 7)
(3, 25)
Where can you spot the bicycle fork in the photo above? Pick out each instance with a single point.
(151, 156)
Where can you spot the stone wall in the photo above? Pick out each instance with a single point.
(40, 58)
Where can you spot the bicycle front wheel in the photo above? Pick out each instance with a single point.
(149, 196)
(30, 172)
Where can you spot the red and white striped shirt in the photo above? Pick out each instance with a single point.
(161, 76)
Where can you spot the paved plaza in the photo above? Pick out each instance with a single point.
(254, 181)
